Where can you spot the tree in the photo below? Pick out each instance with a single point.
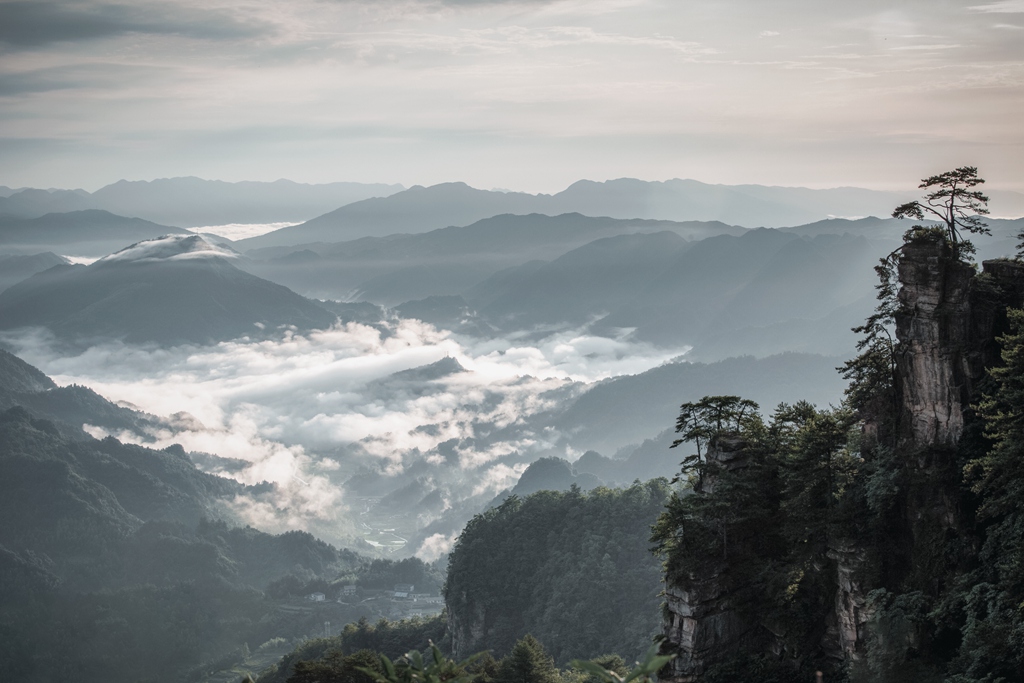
(415, 668)
(528, 662)
(702, 421)
(872, 373)
(611, 668)
(953, 202)
(335, 667)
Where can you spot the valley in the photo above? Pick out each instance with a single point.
(349, 408)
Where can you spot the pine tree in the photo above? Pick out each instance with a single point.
(955, 203)
(528, 662)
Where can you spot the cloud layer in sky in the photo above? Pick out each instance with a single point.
(518, 94)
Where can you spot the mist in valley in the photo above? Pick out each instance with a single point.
(333, 331)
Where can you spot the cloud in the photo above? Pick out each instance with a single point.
(435, 546)
(86, 76)
(936, 46)
(1003, 7)
(308, 412)
(768, 34)
(37, 22)
(240, 231)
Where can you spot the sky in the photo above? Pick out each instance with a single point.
(528, 95)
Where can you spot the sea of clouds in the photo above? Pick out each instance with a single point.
(305, 412)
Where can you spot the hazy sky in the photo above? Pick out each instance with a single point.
(521, 94)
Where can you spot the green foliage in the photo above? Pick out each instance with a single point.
(571, 568)
(390, 638)
(872, 372)
(895, 651)
(775, 496)
(612, 669)
(701, 421)
(336, 667)
(992, 595)
(528, 662)
(383, 573)
(415, 668)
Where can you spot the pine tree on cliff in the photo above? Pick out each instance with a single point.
(955, 203)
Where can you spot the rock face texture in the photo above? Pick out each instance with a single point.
(467, 632)
(851, 608)
(701, 614)
(933, 327)
(947, 327)
(701, 622)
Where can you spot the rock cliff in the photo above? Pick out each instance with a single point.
(702, 615)
(948, 321)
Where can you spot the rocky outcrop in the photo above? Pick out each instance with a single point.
(948, 324)
(852, 611)
(702, 623)
(702, 619)
(466, 631)
(933, 326)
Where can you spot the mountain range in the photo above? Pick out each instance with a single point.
(89, 233)
(194, 202)
(421, 209)
(446, 261)
(171, 290)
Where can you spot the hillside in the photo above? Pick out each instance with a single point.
(570, 568)
(446, 261)
(14, 269)
(171, 290)
(195, 202)
(628, 410)
(420, 209)
(90, 233)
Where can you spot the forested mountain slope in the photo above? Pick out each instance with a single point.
(878, 541)
(571, 568)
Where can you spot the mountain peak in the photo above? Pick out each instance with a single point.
(168, 248)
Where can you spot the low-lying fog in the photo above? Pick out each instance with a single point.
(309, 412)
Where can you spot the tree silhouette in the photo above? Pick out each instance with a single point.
(703, 420)
(955, 203)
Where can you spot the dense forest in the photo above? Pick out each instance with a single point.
(537, 583)
(571, 568)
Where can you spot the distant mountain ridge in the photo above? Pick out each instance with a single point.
(172, 290)
(195, 202)
(420, 209)
(393, 269)
(15, 268)
(89, 232)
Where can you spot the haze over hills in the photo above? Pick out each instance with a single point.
(390, 270)
(171, 290)
(727, 286)
(15, 268)
(420, 209)
(90, 232)
(447, 369)
(194, 202)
